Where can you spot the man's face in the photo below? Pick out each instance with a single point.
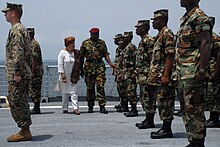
(140, 30)
(9, 15)
(116, 41)
(156, 23)
(94, 36)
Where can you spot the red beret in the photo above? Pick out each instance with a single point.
(94, 30)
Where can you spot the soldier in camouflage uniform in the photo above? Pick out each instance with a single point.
(213, 92)
(94, 49)
(160, 73)
(143, 59)
(127, 74)
(123, 105)
(36, 71)
(18, 72)
(193, 51)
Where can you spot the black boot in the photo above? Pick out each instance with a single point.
(90, 110)
(164, 132)
(133, 111)
(36, 109)
(196, 143)
(124, 107)
(213, 121)
(147, 123)
(103, 110)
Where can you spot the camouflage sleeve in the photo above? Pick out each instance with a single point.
(17, 51)
(202, 23)
(105, 50)
(83, 49)
(169, 42)
(216, 41)
(36, 48)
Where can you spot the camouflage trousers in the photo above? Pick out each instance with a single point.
(179, 94)
(194, 117)
(35, 90)
(147, 98)
(165, 97)
(97, 80)
(131, 88)
(213, 97)
(122, 90)
(18, 99)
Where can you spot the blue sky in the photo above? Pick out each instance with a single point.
(56, 19)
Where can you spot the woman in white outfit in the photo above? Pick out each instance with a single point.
(68, 89)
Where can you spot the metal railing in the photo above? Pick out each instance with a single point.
(51, 76)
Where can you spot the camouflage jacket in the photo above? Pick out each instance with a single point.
(18, 53)
(127, 60)
(163, 45)
(187, 45)
(117, 60)
(143, 58)
(37, 56)
(93, 52)
(213, 57)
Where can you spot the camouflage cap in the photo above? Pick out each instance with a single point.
(160, 13)
(130, 33)
(142, 22)
(11, 6)
(118, 36)
(30, 30)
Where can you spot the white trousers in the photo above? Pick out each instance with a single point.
(65, 100)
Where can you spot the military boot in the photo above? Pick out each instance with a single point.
(196, 143)
(36, 109)
(133, 111)
(124, 107)
(148, 122)
(90, 110)
(103, 110)
(23, 135)
(164, 132)
(213, 121)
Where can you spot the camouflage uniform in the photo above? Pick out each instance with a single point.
(17, 60)
(36, 81)
(164, 45)
(119, 78)
(128, 57)
(213, 92)
(94, 69)
(144, 54)
(187, 58)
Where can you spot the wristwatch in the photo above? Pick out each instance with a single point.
(202, 70)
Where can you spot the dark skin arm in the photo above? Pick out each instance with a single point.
(168, 67)
(205, 50)
(107, 58)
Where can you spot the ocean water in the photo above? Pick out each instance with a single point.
(51, 76)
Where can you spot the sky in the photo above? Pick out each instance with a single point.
(55, 20)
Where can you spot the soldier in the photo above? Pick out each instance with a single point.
(193, 52)
(18, 72)
(143, 59)
(123, 105)
(94, 49)
(160, 73)
(213, 92)
(36, 70)
(127, 73)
